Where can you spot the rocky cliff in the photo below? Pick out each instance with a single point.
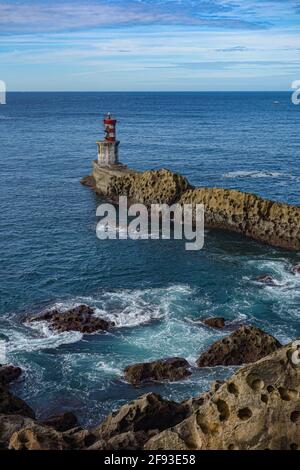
(270, 222)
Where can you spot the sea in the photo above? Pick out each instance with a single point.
(154, 290)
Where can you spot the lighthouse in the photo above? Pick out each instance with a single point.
(108, 154)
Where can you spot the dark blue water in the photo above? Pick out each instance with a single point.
(50, 254)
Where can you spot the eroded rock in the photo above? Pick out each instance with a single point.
(62, 422)
(12, 405)
(246, 344)
(9, 424)
(171, 369)
(147, 413)
(257, 408)
(214, 322)
(9, 373)
(37, 437)
(80, 318)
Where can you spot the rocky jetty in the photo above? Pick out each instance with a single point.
(246, 344)
(270, 222)
(171, 369)
(80, 318)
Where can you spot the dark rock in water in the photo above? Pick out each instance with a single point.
(88, 181)
(80, 318)
(171, 369)
(296, 269)
(266, 279)
(61, 423)
(245, 345)
(12, 405)
(214, 322)
(147, 413)
(9, 373)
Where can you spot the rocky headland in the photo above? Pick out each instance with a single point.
(274, 223)
(257, 408)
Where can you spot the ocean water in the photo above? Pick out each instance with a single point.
(49, 253)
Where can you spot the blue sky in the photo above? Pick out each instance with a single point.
(108, 45)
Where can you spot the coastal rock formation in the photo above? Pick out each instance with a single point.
(296, 269)
(266, 279)
(9, 373)
(9, 424)
(80, 318)
(246, 344)
(150, 187)
(36, 437)
(214, 322)
(171, 369)
(270, 222)
(255, 409)
(147, 414)
(88, 181)
(61, 423)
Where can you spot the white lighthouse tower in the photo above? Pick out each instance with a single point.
(108, 153)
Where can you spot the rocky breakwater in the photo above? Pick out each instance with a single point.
(270, 222)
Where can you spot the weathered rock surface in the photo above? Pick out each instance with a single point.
(171, 369)
(246, 344)
(80, 318)
(10, 424)
(88, 181)
(274, 223)
(214, 322)
(258, 408)
(62, 422)
(270, 222)
(150, 187)
(37, 437)
(147, 413)
(9, 373)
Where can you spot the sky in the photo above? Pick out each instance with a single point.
(149, 45)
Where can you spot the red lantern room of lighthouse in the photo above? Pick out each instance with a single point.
(108, 153)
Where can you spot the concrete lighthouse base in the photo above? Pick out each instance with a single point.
(103, 175)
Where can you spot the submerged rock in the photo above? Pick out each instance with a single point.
(62, 422)
(214, 322)
(296, 269)
(9, 373)
(171, 369)
(80, 318)
(246, 344)
(257, 408)
(266, 279)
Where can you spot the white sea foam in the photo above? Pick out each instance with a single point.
(20, 341)
(253, 174)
